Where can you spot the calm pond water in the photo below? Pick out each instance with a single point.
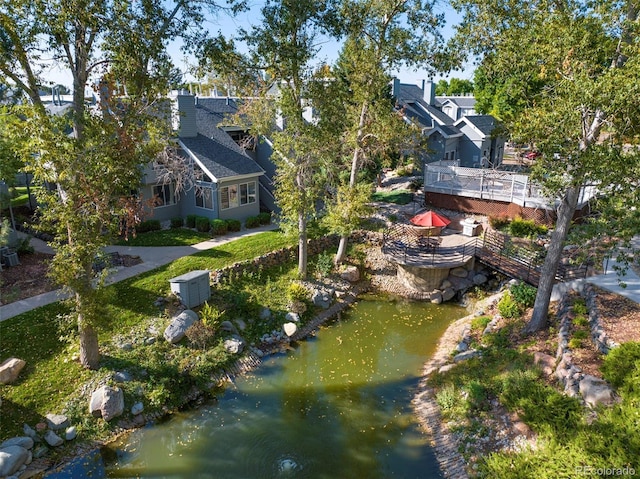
(338, 406)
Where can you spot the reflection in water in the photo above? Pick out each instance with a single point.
(336, 407)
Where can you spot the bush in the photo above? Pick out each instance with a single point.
(297, 292)
(177, 222)
(202, 224)
(264, 218)
(324, 264)
(480, 323)
(508, 307)
(499, 222)
(234, 225)
(621, 364)
(211, 315)
(252, 222)
(579, 307)
(524, 295)
(526, 228)
(200, 335)
(191, 221)
(149, 225)
(23, 246)
(219, 227)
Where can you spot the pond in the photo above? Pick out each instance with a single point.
(336, 406)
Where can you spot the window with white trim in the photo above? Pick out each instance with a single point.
(164, 195)
(229, 197)
(204, 197)
(247, 193)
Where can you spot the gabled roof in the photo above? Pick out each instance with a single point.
(460, 101)
(213, 148)
(484, 124)
(411, 97)
(446, 131)
(219, 160)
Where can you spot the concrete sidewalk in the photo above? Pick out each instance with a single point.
(611, 281)
(152, 257)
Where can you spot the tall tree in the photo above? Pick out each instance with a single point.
(381, 36)
(282, 47)
(566, 76)
(93, 156)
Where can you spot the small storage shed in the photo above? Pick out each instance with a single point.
(192, 288)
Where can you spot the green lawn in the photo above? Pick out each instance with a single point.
(48, 344)
(170, 237)
(399, 197)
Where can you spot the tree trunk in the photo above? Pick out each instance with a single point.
(89, 351)
(554, 255)
(355, 165)
(302, 245)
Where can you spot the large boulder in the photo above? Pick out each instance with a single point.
(596, 391)
(179, 325)
(546, 362)
(53, 439)
(11, 459)
(234, 345)
(351, 274)
(290, 329)
(57, 421)
(448, 294)
(107, 402)
(321, 298)
(22, 441)
(10, 369)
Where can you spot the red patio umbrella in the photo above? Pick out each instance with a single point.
(429, 218)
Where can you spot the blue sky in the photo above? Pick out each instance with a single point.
(328, 50)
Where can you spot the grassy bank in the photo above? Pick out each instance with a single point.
(162, 374)
(571, 440)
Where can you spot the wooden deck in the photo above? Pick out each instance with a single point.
(404, 246)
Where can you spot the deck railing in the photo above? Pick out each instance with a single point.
(407, 246)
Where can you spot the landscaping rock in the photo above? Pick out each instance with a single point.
(234, 345)
(10, 369)
(292, 317)
(29, 431)
(53, 439)
(11, 459)
(459, 272)
(472, 353)
(479, 279)
(351, 274)
(435, 297)
(321, 299)
(290, 328)
(595, 391)
(229, 327)
(137, 408)
(448, 293)
(123, 377)
(265, 314)
(107, 402)
(240, 324)
(57, 421)
(445, 284)
(22, 441)
(179, 325)
(460, 284)
(546, 362)
(70, 433)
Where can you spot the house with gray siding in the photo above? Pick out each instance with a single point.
(453, 136)
(227, 179)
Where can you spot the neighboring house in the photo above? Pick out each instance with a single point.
(227, 184)
(457, 107)
(468, 140)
